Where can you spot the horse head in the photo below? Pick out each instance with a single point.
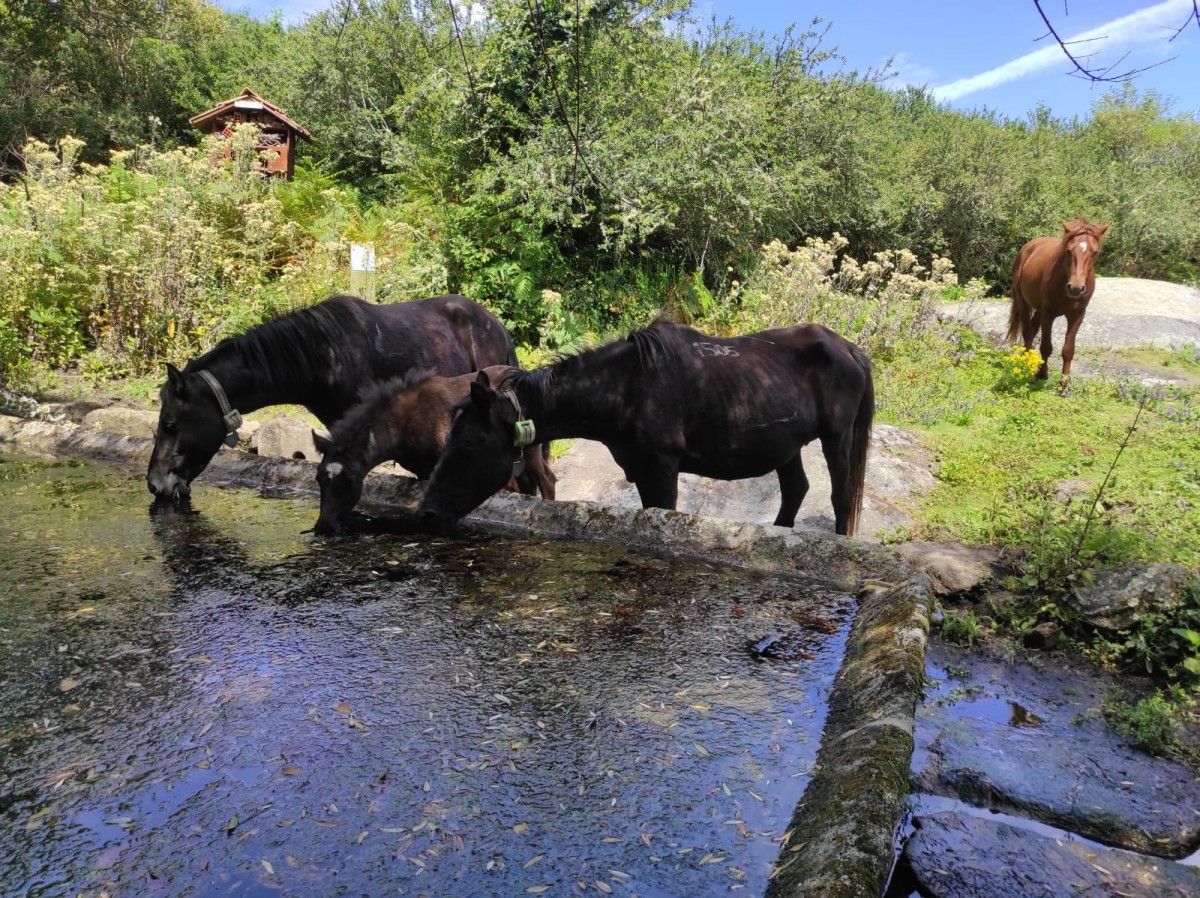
(189, 433)
(478, 459)
(1081, 245)
(344, 466)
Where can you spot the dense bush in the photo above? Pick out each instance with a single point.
(159, 254)
(621, 155)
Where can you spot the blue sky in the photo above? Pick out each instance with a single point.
(942, 43)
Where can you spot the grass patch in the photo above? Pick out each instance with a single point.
(1150, 723)
(1016, 461)
(962, 628)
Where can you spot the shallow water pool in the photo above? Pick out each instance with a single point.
(213, 703)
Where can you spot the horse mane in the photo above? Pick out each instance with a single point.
(286, 348)
(1074, 227)
(656, 347)
(356, 423)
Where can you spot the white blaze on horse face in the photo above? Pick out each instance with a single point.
(334, 468)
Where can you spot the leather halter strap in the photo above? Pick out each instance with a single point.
(230, 416)
(524, 432)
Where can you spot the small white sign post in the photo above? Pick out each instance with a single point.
(362, 270)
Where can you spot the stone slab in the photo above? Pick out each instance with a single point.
(898, 475)
(1030, 739)
(964, 856)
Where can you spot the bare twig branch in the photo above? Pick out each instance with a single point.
(1104, 74)
(1193, 16)
(462, 50)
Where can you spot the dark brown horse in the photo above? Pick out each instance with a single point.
(407, 421)
(671, 399)
(321, 357)
(1055, 276)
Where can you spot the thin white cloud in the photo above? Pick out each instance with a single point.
(905, 71)
(1153, 23)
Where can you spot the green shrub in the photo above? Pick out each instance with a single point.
(961, 627)
(1148, 723)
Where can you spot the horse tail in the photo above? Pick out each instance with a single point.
(860, 440)
(1018, 314)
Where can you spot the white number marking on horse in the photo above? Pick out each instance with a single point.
(715, 350)
(333, 468)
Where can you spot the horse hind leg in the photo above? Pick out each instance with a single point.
(1047, 347)
(837, 457)
(793, 486)
(1029, 327)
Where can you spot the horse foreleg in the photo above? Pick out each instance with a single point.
(658, 486)
(1068, 350)
(793, 485)
(1047, 346)
(837, 457)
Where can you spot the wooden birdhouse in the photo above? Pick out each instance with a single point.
(279, 132)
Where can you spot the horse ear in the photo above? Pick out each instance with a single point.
(1103, 229)
(322, 442)
(483, 380)
(481, 393)
(1066, 226)
(175, 380)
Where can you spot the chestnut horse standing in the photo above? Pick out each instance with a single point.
(1055, 276)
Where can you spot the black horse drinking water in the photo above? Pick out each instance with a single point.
(671, 399)
(406, 420)
(321, 357)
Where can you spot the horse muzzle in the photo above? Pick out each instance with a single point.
(171, 488)
(1075, 292)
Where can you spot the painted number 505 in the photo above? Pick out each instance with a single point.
(715, 350)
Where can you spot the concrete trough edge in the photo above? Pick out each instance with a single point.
(841, 841)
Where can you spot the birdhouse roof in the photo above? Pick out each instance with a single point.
(249, 100)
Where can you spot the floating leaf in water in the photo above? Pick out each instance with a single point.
(532, 861)
(701, 750)
(712, 858)
(342, 708)
(231, 824)
(66, 684)
(603, 887)
(108, 857)
(537, 890)
(521, 828)
(291, 771)
(361, 837)
(267, 866)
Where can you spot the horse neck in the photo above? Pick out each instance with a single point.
(249, 388)
(575, 399)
